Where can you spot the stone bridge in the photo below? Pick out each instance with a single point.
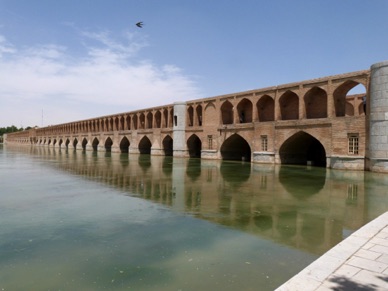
(314, 122)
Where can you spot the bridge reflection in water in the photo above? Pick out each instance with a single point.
(304, 207)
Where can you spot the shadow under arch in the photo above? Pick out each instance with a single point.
(236, 148)
(302, 149)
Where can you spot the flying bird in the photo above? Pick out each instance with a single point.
(139, 24)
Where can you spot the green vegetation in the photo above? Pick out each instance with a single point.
(11, 128)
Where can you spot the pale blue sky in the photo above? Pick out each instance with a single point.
(76, 59)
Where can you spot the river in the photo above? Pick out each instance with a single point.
(73, 220)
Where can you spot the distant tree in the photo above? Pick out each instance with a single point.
(9, 129)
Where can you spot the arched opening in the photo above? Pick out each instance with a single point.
(128, 121)
(75, 143)
(54, 142)
(289, 106)
(227, 113)
(122, 123)
(135, 127)
(244, 111)
(303, 149)
(194, 146)
(150, 119)
(84, 143)
(266, 108)
(168, 146)
(116, 123)
(142, 121)
(145, 146)
(347, 96)
(165, 118)
(315, 102)
(158, 119)
(67, 143)
(198, 110)
(124, 145)
(190, 116)
(95, 144)
(60, 142)
(108, 144)
(236, 148)
(111, 124)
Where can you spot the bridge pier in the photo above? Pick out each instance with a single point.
(377, 113)
(179, 130)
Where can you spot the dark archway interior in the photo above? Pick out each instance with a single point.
(95, 144)
(303, 149)
(124, 145)
(194, 145)
(236, 148)
(168, 146)
(108, 144)
(145, 146)
(84, 143)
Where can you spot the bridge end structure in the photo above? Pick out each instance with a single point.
(377, 113)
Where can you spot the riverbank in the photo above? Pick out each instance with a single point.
(360, 262)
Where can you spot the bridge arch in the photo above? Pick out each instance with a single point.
(145, 145)
(194, 146)
(95, 144)
(266, 108)
(235, 148)
(168, 145)
(198, 112)
(67, 142)
(301, 148)
(128, 121)
(190, 116)
(244, 111)
(227, 113)
(315, 102)
(108, 144)
(75, 141)
(124, 145)
(158, 119)
(150, 119)
(289, 105)
(342, 107)
(84, 143)
(134, 120)
(141, 121)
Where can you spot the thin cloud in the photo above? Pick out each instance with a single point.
(108, 73)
